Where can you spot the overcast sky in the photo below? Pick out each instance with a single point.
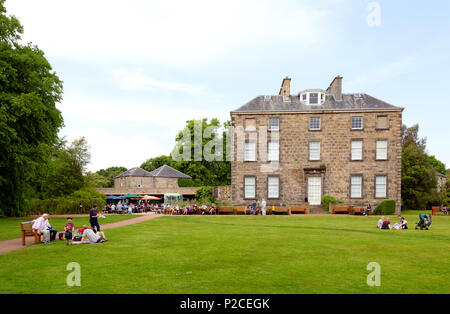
(135, 71)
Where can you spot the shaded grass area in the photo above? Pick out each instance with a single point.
(240, 255)
(10, 228)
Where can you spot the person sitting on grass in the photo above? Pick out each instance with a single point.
(444, 210)
(386, 224)
(380, 222)
(212, 210)
(69, 229)
(403, 223)
(91, 237)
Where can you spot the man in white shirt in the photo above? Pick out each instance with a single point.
(91, 237)
(263, 207)
(40, 225)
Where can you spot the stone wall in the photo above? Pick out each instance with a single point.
(222, 193)
(335, 166)
(145, 182)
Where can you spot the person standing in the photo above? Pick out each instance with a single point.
(263, 207)
(93, 218)
(254, 208)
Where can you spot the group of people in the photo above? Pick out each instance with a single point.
(132, 207)
(256, 208)
(385, 224)
(189, 209)
(86, 234)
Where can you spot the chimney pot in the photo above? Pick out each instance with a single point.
(335, 88)
(285, 89)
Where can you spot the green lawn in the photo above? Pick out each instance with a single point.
(241, 255)
(10, 228)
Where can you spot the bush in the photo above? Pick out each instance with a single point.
(69, 204)
(386, 207)
(328, 199)
(205, 195)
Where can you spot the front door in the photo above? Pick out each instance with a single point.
(315, 190)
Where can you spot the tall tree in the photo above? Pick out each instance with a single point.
(438, 165)
(64, 172)
(418, 175)
(109, 174)
(29, 119)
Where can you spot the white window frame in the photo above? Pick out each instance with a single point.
(362, 123)
(382, 152)
(249, 187)
(313, 150)
(273, 151)
(320, 98)
(380, 186)
(354, 152)
(355, 184)
(311, 124)
(249, 153)
(272, 128)
(272, 192)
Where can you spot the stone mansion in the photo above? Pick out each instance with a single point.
(296, 148)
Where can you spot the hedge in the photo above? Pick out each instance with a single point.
(69, 204)
(327, 199)
(386, 207)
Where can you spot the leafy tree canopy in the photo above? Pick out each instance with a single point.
(29, 119)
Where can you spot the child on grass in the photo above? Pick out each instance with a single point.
(69, 229)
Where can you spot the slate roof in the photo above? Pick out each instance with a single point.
(349, 102)
(168, 172)
(440, 174)
(162, 172)
(134, 172)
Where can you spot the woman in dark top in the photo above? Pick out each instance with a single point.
(93, 218)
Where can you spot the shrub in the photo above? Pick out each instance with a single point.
(328, 199)
(205, 194)
(69, 204)
(386, 207)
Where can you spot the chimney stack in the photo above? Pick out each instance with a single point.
(335, 88)
(285, 89)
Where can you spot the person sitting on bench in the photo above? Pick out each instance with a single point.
(40, 225)
(444, 210)
(367, 210)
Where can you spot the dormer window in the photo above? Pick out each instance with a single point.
(312, 97)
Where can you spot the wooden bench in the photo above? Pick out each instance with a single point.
(27, 231)
(240, 210)
(437, 209)
(299, 209)
(341, 209)
(225, 209)
(280, 210)
(359, 210)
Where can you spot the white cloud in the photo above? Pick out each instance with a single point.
(136, 80)
(120, 110)
(175, 33)
(109, 150)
